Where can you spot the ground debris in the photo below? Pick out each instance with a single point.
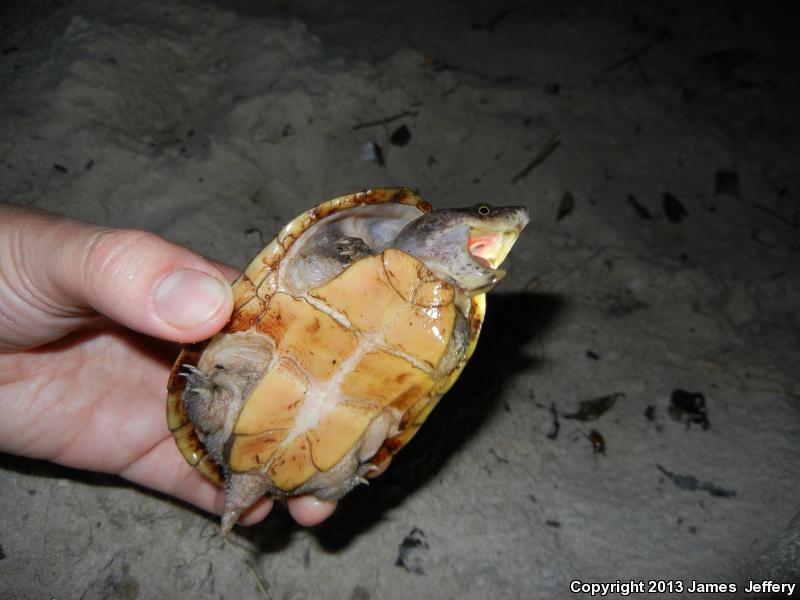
(635, 55)
(401, 136)
(549, 147)
(553, 523)
(689, 407)
(499, 458)
(384, 120)
(589, 410)
(552, 89)
(114, 581)
(566, 206)
(641, 210)
(726, 183)
(255, 230)
(360, 593)
(623, 304)
(554, 424)
(689, 482)
(409, 552)
(598, 441)
(491, 23)
(725, 62)
(372, 152)
(673, 209)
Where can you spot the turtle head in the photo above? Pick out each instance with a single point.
(464, 245)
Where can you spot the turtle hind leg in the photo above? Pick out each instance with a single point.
(242, 490)
(341, 487)
(338, 481)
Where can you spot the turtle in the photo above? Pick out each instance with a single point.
(347, 329)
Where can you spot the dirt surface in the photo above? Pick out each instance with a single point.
(656, 148)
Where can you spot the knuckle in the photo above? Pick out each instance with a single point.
(115, 253)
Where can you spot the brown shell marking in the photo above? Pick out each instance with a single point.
(274, 402)
(386, 379)
(309, 336)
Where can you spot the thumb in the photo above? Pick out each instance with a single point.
(56, 273)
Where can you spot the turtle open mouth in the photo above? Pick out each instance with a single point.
(490, 248)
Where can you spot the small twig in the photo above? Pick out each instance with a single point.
(554, 424)
(258, 231)
(630, 57)
(451, 89)
(546, 151)
(259, 581)
(490, 24)
(499, 458)
(497, 18)
(789, 222)
(405, 113)
(244, 551)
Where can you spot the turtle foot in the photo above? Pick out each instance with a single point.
(201, 397)
(338, 488)
(361, 474)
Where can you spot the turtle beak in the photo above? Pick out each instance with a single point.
(490, 248)
(490, 242)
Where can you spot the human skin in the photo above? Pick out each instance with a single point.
(89, 317)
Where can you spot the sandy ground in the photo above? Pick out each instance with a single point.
(657, 151)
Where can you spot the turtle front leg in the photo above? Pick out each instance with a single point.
(200, 399)
(350, 249)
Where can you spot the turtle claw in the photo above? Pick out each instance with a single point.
(360, 475)
(200, 397)
(196, 378)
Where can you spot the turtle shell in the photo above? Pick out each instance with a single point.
(371, 339)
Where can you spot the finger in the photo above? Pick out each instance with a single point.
(308, 510)
(228, 271)
(58, 271)
(256, 513)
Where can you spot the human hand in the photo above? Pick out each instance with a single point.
(82, 377)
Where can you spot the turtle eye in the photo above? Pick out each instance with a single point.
(484, 209)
